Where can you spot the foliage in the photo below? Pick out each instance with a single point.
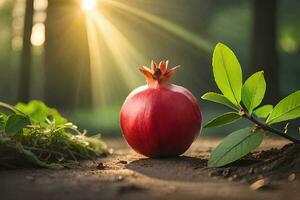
(226, 118)
(35, 135)
(236, 145)
(244, 100)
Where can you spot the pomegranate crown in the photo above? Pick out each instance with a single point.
(158, 74)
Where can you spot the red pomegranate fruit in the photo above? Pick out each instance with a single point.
(160, 119)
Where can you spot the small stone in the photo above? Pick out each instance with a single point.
(100, 166)
(292, 177)
(232, 178)
(120, 178)
(250, 170)
(124, 162)
(111, 151)
(226, 173)
(259, 184)
(235, 176)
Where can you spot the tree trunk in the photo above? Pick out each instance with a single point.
(67, 65)
(264, 53)
(24, 82)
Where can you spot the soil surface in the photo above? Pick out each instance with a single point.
(127, 175)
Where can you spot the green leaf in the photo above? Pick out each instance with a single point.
(235, 146)
(228, 73)
(219, 98)
(38, 112)
(16, 123)
(288, 108)
(263, 111)
(253, 91)
(226, 118)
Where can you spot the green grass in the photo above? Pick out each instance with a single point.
(33, 135)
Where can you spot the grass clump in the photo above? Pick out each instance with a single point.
(35, 135)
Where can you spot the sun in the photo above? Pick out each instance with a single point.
(88, 5)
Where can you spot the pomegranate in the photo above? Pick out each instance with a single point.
(160, 119)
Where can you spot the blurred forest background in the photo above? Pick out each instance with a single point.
(82, 56)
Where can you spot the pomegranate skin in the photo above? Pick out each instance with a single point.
(160, 121)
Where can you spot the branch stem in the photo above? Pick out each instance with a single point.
(266, 127)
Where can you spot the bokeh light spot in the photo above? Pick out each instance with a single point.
(38, 34)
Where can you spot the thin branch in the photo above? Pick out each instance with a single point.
(269, 128)
(8, 107)
(11, 108)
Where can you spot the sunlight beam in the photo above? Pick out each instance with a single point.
(176, 30)
(125, 55)
(97, 77)
(123, 51)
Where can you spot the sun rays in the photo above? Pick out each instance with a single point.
(98, 88)
(123, 51)
(166, 25)
(125, 55)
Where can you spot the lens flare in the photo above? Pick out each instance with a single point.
(88, 5)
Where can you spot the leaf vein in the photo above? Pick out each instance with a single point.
(228, 80)
(232, 148)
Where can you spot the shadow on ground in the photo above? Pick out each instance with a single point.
(180, 168)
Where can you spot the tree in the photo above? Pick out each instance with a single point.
(24, 81)
(264, 53)
(67, 65)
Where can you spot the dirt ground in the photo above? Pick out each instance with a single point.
(127, 175)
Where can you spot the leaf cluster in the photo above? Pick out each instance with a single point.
(244, 99)
(35, 135)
